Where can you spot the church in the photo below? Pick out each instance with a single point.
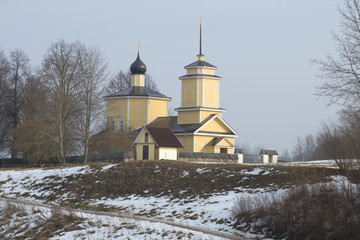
(199, 125)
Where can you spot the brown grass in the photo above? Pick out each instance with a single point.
(323, 211)
(176, 180)
(16, 220)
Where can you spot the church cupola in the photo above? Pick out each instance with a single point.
(138, 69)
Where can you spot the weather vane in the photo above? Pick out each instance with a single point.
(138, 45)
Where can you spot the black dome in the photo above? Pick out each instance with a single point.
(138, 67)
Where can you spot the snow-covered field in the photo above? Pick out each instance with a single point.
(211, 213)
(92, 226)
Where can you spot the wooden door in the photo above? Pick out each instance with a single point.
(145, 152)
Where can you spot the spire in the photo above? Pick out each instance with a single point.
(200, 36)
(200, 56)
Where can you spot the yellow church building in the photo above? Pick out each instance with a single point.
(199, 125)
(137, 105)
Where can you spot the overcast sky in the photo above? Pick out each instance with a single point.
(262, 50)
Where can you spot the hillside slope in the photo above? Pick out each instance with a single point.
(194, 194)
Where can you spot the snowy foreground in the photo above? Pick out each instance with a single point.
(211, 214)
(95, 226)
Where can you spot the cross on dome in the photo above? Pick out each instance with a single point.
(138, 45)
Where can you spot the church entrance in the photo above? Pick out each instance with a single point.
(145, 152)
(223, 150)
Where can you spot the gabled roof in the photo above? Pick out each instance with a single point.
(171, 122)
(200, 64)
(163, 137)
(137, 91)
(239, 151)
(212, 117)
(268, 152)
(217, 140)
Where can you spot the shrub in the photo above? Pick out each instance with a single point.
(322, 211)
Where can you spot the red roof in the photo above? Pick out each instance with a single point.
(164, 137)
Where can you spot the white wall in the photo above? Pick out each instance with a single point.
(265, 158)
(168, 153)
(241, 158)
(275, 159)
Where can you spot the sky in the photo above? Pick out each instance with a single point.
(263, 51)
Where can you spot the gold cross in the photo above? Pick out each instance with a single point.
(201, 20)
(138, 45)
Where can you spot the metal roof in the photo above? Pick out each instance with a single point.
(268, 152)
(194, 75)
(163, 137)
(137, 91)
(200, 64)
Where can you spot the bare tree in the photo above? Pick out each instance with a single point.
(122, 81)
(342, 73)
(4, 90)
(298, 152)
(94, 73)
(61, 79)
(37, 134)
(19, 73)
(342, 144)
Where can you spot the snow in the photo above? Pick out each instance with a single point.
(212, 213)
(96, 226)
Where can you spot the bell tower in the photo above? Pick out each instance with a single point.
(200, 91)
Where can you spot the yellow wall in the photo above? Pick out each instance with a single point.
(201, 142)
(209, 149)
(188, 117)
(205, 114)
(187, 142)
(209, 71)
(223, 143)
(211, 93)
(188, 97)
(193, 91)
(157, 108)
(139, 151)
(117, 108)
(185, 117)
(138, 80)
(201, 70)
(215, 126)
(137, 112)
(191, 71)
(139, 147)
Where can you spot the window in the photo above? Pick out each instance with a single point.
(121, 124)
(146, 137)
(112, 124)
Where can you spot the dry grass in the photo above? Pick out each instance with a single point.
(17, 222)
(323, 211)
(175, 180)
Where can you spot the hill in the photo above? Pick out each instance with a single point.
(200, 195)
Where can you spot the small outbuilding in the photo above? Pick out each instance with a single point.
(240, 154)
(154, 143)
(269, 156)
